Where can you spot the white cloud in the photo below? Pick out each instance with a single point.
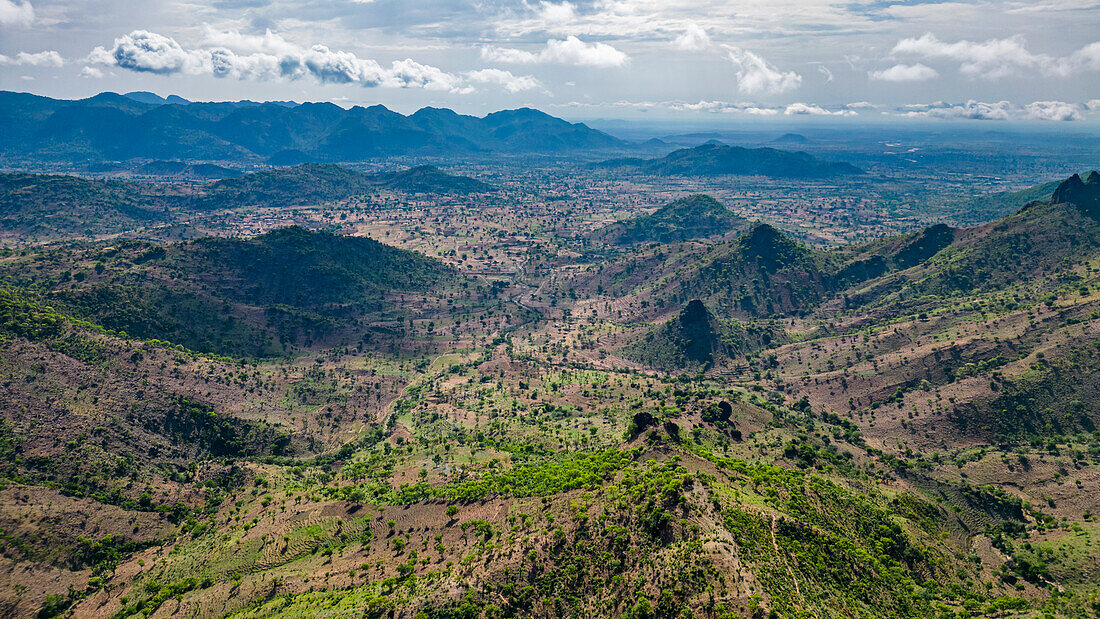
(991, 59)
(974, 110)
(756, 76)
(91, 73)
(998, 58)
(505, 79)
(556, 13)
(570, 51)
(47, 58)
(411, 74)
(667, 19)
(1093, 105)
(1053, 110)
(13, 13)
(725, 107)
(693, 39)
(268, 42)
(905, 73)
(1088, 58)
(509, 55)
(707, 106)
(824, 70)
(980, 110)
(150, 52)
(809, 109)
(267, 57)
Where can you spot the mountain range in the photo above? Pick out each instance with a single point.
(117, 127)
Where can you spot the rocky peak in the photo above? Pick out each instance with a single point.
(1083, 194)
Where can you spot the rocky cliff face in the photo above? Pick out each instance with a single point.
(1084, 194)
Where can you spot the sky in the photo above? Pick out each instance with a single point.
(659, 59)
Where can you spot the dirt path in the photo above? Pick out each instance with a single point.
(790, 570)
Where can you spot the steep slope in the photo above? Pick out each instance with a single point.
(694, 217)
(1031, 243)
(894, 254)
(695, 340)
(763, 272)
(1083, 194)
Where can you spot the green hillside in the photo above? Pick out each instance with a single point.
(694, 217)
(243, 297)
(50, 207)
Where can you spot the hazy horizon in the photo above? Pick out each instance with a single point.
(826, 59)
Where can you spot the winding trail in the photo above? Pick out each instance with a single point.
(790, 570)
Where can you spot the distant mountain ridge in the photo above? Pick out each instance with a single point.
(141, 125)
(716, 159)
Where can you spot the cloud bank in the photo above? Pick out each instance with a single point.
(570, 51)
(998, 58)
(47, 58)
(233, 55)
(997, 110)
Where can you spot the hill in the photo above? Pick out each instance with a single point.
(249, 297)
(314, 183)
(764, 272)
(140, 125)
(181, 170)
(430, 179)
(696, 340)
(308, 183)
(48, 207)
(1023, 281)
(980, 209)
(694, 217)
(43, 207)
(792, 138)
(714, 159)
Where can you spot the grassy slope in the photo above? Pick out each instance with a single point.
(249, 297)
(694, 217)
